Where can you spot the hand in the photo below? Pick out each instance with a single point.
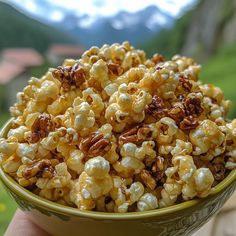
(22, 226)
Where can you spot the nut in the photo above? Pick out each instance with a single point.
(193, 106)
(177, 113)
(42, 168)
(157, 108)
(70, 76)
(95, 145)
(185, 83)
(217, 167)
(157, 58)
(134, 135)
(147, 179)
(189, 122)
(41, 127)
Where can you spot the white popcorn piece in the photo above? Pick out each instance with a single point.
(97, 167)
(75, 161)
(147, 202)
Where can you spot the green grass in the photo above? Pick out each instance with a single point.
(7, 205)
(3, 118)
(7, 209)
(221, 71)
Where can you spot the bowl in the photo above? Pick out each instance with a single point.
(181, 219)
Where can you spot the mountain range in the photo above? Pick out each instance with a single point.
(136, 27)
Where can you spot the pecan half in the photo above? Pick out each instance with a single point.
(193, 106)
(147, 179)
(157, 107)
(185, 83)
(115, 69)
(155, 171)
(42, 168)
(217, 167)
(188, 123)
(95, 144)
(159, 167)
(70, 76)
(157, 58)
(135, 134)
(177, 113)
(41, 127)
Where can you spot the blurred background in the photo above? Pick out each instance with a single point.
(37, 34)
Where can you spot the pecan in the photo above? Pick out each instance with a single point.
(70, 76)
(115, 69)
(95, 144)
(129, 136)
(185, 83)
(135, 134)
(217, 167)
(144, 132)
(155, 171)
(107, 199)
(42, 168)
(193, 106)
(177, 113)
(157, 107)
(159, 167)
(157, 58)
(188, 123)
(147, 179)
(41, 127)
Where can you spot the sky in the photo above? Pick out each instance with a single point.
(95, 8)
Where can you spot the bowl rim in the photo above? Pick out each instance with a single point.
(11, 184)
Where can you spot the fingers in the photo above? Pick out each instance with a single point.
(22, 226)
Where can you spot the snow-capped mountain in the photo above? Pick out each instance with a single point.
(136, 27)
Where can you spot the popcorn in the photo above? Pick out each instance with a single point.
(75, 161)
(167, 129)
(113, 131)
(207, 138)
(127, 105)
(147, 202)
(136, 191)
(146, 150)
(8, 147)
(97, 167)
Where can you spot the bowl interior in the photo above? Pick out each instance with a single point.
(14, 187)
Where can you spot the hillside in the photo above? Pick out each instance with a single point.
(22, 31)
(200, 33)
(221, 71)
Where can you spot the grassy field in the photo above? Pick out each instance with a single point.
(221, 71)
(7, 205)
(7, 209)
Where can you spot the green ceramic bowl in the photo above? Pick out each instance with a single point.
(182, 219)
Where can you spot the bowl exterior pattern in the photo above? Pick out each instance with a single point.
(179, 223)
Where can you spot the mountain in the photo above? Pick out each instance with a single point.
(32, 33)
(136, 27)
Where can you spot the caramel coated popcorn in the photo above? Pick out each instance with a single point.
(116, 132)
